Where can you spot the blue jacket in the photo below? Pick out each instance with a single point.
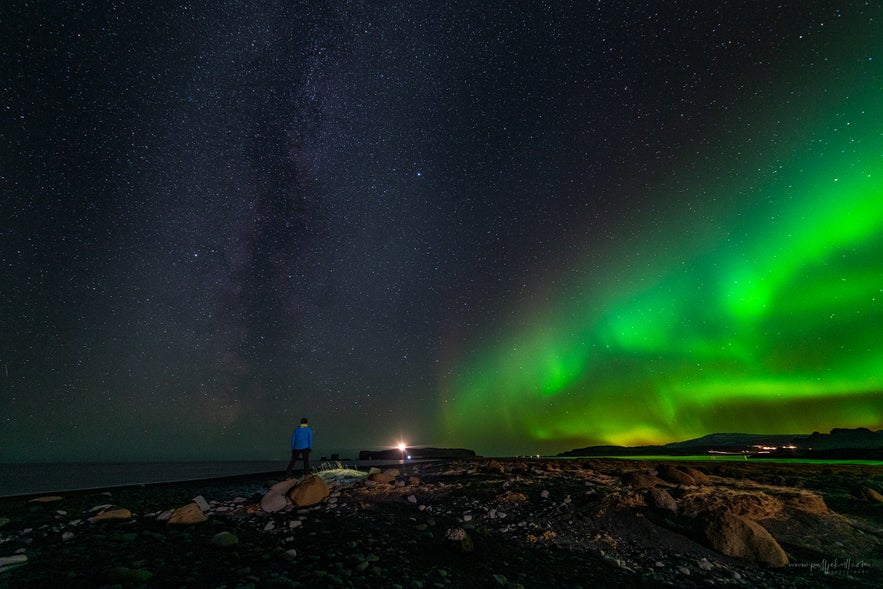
(302, 438)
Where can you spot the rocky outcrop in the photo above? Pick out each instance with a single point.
(736, 535)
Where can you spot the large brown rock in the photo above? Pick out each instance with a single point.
(310, 491)
(660, 499)
(494, 466)
(672, 474)
(869, 494)
(735, 535)
(641, 480)
(188, 514)
(698, 476)
(381, 478)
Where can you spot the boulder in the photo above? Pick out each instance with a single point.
(310, 491)
(736, 535)
(111, 514)
(641, 480)
(673, 474)
(660, 499)
(188, 514)
(698, 476)
(381, 478)
(806, 501)
(869, 494)
(275, 498)
(494, 466)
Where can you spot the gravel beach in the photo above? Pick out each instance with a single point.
(473, 523)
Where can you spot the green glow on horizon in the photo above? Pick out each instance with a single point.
(772, 324)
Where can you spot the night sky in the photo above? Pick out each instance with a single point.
(516, 227)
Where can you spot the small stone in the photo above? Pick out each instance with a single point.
(544, 494)
(203, 504)
(224, 539)
(112, 514)
(47, 499)
(684, 571)
(459, 540)
(705, 565)
(412, 499)
(269, 526)
(499, 579)
(295, 523)
(127, 575)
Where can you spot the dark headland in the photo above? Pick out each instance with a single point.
(839, 444)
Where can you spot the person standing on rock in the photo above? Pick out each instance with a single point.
(301, 444)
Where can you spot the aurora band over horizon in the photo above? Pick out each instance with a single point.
(761, 312)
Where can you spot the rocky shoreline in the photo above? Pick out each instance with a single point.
(463, 523)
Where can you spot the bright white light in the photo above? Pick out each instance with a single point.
(402, 446)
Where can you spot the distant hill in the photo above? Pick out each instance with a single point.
(840, 443)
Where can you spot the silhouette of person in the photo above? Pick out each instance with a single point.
(301, 444)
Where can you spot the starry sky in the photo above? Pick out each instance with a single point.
(516, 227)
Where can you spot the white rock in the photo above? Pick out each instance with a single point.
(412, 499)
(101, 507)
(12, 561)
(705, 565)
(544, 494)
(295, 523)
(203, 504)
(67, 536)
(269, 526)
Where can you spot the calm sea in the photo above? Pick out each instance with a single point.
(27, 479)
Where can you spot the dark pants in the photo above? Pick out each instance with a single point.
(294, 455)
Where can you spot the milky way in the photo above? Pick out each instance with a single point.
(511, 228)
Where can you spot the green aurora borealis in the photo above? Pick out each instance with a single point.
(751, 301)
